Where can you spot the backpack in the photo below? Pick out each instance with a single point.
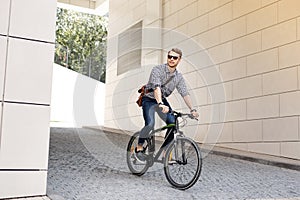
(143, 91)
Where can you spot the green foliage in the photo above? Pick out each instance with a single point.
(81, 42)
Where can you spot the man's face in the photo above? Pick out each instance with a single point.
(173, 59)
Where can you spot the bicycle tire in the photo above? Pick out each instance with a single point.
(182, 159)
(132, 162)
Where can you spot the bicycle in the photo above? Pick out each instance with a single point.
(181, 156)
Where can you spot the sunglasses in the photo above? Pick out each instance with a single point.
(174, 57)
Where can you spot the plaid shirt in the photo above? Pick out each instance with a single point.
(160, 75)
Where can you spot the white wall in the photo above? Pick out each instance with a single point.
(76, 100)
(27, 35)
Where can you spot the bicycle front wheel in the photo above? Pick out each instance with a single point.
(135, 166)
(183, 163)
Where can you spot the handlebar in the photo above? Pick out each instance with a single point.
(179, 114)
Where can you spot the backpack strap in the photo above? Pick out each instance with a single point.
(168, 81)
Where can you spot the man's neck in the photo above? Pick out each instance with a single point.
(171, 69)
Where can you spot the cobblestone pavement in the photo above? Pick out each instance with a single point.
(91, 165)
(32, 198)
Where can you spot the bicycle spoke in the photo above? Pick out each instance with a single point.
(185, 171)
(136, 166)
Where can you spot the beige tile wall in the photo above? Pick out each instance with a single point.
(121, 110)
(255, 44)
(249, 49)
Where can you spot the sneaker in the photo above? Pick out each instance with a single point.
(140, 156)
(139, 162)
(172, 162)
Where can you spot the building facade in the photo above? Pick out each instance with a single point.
(27, 37)
(241, 62)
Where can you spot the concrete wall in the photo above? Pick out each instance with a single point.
(27, 35)
(241, 62)
(76, 100)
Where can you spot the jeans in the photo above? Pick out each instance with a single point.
(150, 106)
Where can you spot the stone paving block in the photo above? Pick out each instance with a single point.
(87, 164)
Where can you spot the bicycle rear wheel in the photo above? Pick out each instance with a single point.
(183, 163)
(134, 164)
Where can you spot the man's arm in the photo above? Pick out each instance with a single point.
(157, 95)
(154, 79)
(188, 102)
(183, 91)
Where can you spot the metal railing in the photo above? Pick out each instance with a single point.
(93, 66)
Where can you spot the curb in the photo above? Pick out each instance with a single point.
(265, 159)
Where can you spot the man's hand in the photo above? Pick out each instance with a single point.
(195, 113)
(164, 109)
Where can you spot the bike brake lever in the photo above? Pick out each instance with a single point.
(192, 117)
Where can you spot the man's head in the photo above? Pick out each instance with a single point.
(174, 57)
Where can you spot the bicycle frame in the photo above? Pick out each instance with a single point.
(151, 139)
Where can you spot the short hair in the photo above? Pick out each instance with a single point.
(176, 50)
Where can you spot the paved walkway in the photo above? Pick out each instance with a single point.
(91, 165)
(32, 198)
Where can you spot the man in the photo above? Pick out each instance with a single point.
(162, 82)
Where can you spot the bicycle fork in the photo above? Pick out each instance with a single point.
(180, 156)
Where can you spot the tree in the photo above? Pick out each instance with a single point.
(81, 42)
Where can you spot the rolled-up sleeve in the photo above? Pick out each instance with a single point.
(181, 87)
(155, 80)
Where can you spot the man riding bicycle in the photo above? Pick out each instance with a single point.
(162, 82)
